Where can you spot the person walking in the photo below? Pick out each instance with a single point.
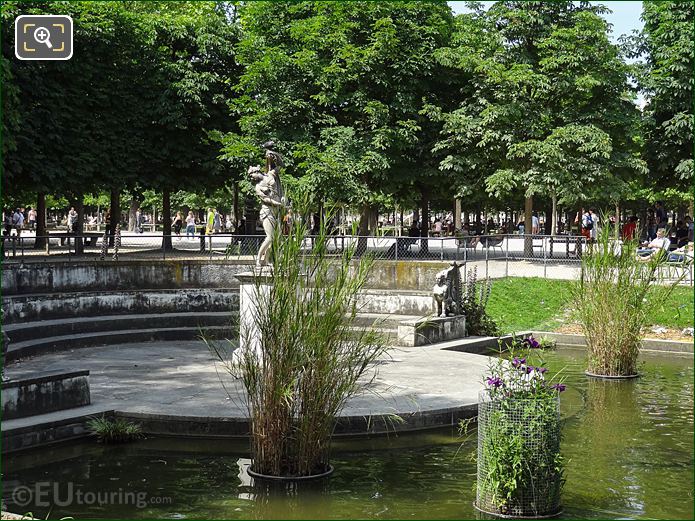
(190, 226)
(535, 224)
(31, 218)
(595, 222)
(139, 221)
(210, 222)
(216, 221)
(587, 224)
(177, 224)
(18, 221)
(72, 219)
(630, 229)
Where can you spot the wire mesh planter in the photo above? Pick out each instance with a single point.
(520, 471)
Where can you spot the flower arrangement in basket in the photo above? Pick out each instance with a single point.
(520, 468)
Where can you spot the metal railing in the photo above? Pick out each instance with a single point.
(555, 256)
(479, 247)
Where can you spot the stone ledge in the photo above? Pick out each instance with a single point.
(431, 330)
(44, 394)
(648, 344)
(43, 378)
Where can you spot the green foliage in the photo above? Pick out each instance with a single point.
(115, 431)
(475, 300)
(340, 86)
(551, 110)
(301, 356)
(667, 79)
(136, 104)
(612, 300)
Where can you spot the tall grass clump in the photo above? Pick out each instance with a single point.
(115, 430)
(300, 357)
(476, 295)
(612, 299)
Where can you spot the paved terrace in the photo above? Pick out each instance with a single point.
(169, 380)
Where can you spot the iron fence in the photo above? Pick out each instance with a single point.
(548, 256)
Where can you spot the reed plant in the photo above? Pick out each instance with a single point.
(612, 299)
(300, 356)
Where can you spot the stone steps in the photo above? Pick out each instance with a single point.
(94, 324)
(50, 306)
(73, 341)
(382, 320)
(44, 336)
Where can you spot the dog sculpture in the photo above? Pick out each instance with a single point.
(447, 291)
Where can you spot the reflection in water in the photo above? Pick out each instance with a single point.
(628, 446)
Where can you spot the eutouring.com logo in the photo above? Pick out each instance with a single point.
(45, 494)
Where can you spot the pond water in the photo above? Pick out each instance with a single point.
(629, 447)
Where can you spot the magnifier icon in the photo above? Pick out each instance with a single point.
(42, 35)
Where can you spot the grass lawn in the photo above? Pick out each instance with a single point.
(518, 304)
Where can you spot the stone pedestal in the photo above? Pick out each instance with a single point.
(424, 331)
(254, 286)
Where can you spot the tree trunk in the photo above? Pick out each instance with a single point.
(79, 207)
(115, 214)
(528, 222)
(40, 241)
(553, 224)
(457, 214)
(644, 231)
(548, 215)
(166, 220)
(425, 228)
(236, 205)
(363, 229)
(134, 206)
(616, 232)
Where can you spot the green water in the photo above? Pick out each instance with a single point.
(629, 447)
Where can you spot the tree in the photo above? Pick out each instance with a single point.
(340, 88)
(667, 80)
(189, 62)
(135, 108)
(551, 113)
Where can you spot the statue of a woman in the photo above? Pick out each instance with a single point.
(269, 190)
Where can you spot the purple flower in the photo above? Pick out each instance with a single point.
(494, 381)
(558, 387)
(532, 342)
(518, 361)
(541, 369)
(529, 369)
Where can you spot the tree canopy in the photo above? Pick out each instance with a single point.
(371, 103)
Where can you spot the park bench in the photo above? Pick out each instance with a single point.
(90, 238)
(567, 240)
(493, 242)
(465, 242)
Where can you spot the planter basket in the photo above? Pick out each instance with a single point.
(519, 439)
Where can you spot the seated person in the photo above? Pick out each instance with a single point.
(680, 254)
(658, 244)
(681, 234)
